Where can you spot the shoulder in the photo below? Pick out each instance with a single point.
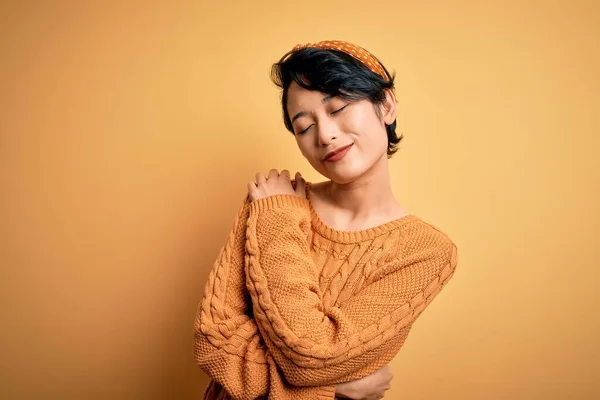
(421, 251)
(422, 240)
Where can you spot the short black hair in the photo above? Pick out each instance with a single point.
(337, 74)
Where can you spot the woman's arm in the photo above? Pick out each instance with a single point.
(227, 343)
(314, 345)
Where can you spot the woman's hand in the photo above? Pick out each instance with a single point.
(276, 183)
(371, 387)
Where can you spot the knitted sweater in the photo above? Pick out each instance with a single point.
(293, 307)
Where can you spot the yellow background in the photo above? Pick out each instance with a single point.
(129, 132)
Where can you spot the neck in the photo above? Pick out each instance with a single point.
(369, 195)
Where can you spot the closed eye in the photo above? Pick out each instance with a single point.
(340, 109)
(304, 131)
(332, 113)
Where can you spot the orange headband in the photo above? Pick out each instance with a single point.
(353, 50)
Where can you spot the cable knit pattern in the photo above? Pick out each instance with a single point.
(293, 307)
(227, 343)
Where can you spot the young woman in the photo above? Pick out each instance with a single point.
(319, 284)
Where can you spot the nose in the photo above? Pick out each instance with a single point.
(327, 131)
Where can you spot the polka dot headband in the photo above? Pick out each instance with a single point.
(353, 50)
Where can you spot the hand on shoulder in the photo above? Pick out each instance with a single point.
(276, 183)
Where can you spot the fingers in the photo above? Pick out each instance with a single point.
(285, 173)
(260, 179)
(276, 183)
(300, 185)
(252, 189)
(273, 174)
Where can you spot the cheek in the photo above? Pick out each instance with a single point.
(363, 119)
(372, 134)
(303, 146)
(366, 125)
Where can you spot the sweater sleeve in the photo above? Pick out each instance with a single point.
(318, 345)
(228, 346)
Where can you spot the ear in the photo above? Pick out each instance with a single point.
(388, 108)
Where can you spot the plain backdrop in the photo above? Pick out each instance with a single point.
(128, 132)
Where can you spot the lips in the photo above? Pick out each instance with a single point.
(337, 154)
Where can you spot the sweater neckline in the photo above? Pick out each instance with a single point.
(342, 236)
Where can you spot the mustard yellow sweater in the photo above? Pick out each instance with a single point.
(293, 307)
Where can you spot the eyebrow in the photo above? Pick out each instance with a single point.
(304, 113)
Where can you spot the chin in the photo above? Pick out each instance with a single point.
(344, 175)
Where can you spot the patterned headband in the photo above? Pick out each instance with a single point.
(353, 50)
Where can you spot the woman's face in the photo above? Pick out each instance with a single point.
(324, 124)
